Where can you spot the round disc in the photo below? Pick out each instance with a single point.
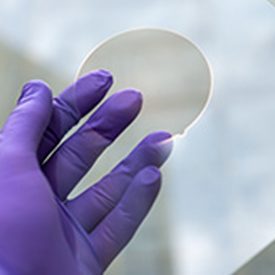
(170, 71)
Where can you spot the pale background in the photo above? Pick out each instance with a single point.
(217, 207)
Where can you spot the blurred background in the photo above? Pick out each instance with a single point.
(217, 206)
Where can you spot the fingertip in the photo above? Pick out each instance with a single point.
(104, 73)
(34, 86)
(158, 137)
(127, 101)
(87, 91)
(37, 83)
(103, 77)
(116, 114)
(155, 148)
(98, 78)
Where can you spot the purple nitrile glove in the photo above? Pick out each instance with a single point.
(41, 232)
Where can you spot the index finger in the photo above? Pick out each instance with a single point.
(71, 105)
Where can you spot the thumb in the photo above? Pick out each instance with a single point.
(30, 118)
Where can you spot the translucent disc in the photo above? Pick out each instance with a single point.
(172, 74)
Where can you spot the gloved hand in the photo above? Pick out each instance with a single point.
(41, 231)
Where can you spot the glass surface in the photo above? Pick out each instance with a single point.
(170, 71)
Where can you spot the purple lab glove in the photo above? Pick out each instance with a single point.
(41, 232)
